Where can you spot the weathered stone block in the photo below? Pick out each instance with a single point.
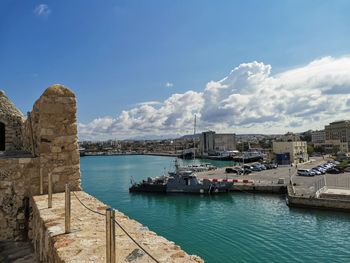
(56, 149)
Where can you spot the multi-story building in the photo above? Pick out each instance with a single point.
(339, 132)
(212, 143)
(335, 146)
(290, 152)
(290, 136)
(318, 137)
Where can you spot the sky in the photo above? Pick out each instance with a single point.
(146, 68)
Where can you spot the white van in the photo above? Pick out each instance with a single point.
(305, 172)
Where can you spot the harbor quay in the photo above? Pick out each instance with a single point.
(266, 180)
(329, 191)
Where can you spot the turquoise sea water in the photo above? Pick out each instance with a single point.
(234, 227)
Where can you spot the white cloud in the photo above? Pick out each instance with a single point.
(42, 10)
(148, 103)
(248, 100)
(169, 85)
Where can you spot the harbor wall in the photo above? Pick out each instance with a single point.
(319, 203)
(256, 188)
(87, 240)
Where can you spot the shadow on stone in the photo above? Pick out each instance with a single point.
(134, 255)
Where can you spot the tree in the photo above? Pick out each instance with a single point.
(242, 146)
(310, 149)
(319, 149)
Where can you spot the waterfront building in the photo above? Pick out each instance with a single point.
(335, 146)
(334, 138)
(212, 143)
(287, 152)
(338, 134)
(318, 137)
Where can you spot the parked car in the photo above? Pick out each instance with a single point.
(347, 169)
(232, 170)
(256, 168)
(262, 166)
(327, 166)
(268, 166)
(305, 172)
(334, 171)
(274, 165)
(247, 171)
(321, 169)
(316, 171)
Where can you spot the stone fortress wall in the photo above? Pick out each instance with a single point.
(18, 181)
(11, 120)
(46, 142)
(51, 133)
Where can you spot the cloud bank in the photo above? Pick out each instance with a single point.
(249, 100)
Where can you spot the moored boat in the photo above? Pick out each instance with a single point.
(180, 181)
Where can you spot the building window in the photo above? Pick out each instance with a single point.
(2, 136)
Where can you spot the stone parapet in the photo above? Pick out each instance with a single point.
(87, 240)
(52, 131)
(50, 136)
(19, 178)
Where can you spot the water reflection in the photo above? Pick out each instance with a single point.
(181, 202)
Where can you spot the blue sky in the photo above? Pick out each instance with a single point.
(116, 54)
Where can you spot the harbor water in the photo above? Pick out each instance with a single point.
(233, 227)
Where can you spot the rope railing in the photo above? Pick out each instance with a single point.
(126, 233)
(88, 208)
(118, 224)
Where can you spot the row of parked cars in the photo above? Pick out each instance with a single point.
(328, 167)
(249, 168)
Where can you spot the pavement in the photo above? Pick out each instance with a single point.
(16, 252)
(304, 186)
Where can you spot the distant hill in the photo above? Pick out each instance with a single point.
(190, 136)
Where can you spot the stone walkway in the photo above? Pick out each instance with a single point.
(16, 252)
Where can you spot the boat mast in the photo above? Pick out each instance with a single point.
(194, 138)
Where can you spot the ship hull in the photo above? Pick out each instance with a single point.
(150, 188)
